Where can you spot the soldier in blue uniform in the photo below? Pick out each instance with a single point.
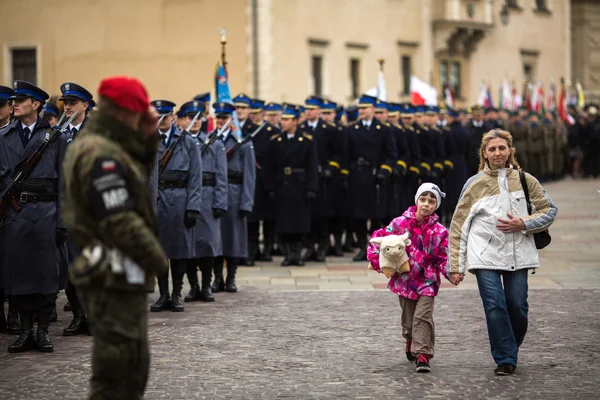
(371, 152)
(76, 99)
(241, 177)
(401, 166)
(291, 178)
(351, 116)
(273, 114)
(179, 200)
(459, 174)
(476, 128)
(214, 206)
(257, 112)
(414, 162)
(263, 209)
(325, 138)
(51, 113)
(204, 98)
(32, 237)
(242, 105)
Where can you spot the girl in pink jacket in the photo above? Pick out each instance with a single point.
(428, 257)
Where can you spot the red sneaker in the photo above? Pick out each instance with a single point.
(423, 363)
(409, 355)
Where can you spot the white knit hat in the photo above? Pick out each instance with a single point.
(433, 188)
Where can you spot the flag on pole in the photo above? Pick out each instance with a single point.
(489, 102)
(551, 98)
(449, 95)
(223, 94)
(501, 97)
(421, 93)
(379, 91)
(507, 97)
(517, 100)
(580, 96)
(482, 99)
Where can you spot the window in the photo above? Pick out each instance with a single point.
(355, 77)
(512, 3)
(528, 72)
(450, 77)
(317, 75)
(405, 62)
(541, 5)
(24, 65)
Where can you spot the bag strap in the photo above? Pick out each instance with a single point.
(525, 189)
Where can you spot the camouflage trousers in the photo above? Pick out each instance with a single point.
(120, 356)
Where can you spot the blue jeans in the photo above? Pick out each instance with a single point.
(505, 311)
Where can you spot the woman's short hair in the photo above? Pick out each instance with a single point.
(498, 134)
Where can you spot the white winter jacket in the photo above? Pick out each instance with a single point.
(476, 243)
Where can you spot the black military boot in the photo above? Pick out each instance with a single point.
(26, 341)
(347, 246)
(177, 271)
(230, 285)
(192, 274)
(311, 254)
(43, 336)
(164, 301)
(206, 294)
(253, 251)
(338, 251)
(296, 251)
(13, 323)
(79, 324)
(287, 254)
(3, 326)
(322, 249)
(362, 252)
(267, 254)
(54, 315)
(218, 284)
(67, 307)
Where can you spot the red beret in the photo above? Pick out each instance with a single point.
(127, 93)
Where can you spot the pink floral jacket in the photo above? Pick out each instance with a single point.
(428, 255)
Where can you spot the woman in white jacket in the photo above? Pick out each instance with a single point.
(492, 237)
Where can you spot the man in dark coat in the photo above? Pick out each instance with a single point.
(476, 128)
(32, 237)
(179, 198)
(241, 176)
(401, 167)
(458, 175)
(291, 178)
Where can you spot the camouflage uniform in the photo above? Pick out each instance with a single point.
(549, 156)
(535, 147)
(520, 132)
(107, 202)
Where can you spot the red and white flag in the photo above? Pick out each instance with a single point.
(421, 93)
(449, 93)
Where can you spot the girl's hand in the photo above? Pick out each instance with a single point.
(455, 279)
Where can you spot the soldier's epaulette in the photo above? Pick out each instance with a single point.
(352, 122)
(387, 124)
(306, 135)
(332, 124)
(396, 126)
(410, 128)
(275, 136)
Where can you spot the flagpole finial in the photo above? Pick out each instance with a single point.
(381, 61)
(223, 34)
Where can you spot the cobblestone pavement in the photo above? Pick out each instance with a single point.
(324, 341)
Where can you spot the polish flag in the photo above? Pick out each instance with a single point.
(421, 93)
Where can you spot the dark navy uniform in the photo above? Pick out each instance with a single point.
(401, 167)
(459, 174)
(31, 238)
(476, 130)
(414, 164)
(291, 178)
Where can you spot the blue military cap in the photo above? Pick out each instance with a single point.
(452, 113)
(301, 109)
(203, 97)
(420, 110)
(352, 113)
(72, 90)
(365, 100)
(406, 109)
(191, 107)
(313, 102)
(50, 109)
(432, 110)
(273, 108)
(381, 105)
(25, 89)
(5, 93)
(223, 108)
(257, 105)
(163, 106)
(327, 105)
(290, 112)
(241, 100)
(339, 112)
(91, 105)
(394, 108)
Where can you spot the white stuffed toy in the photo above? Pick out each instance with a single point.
(392, 253)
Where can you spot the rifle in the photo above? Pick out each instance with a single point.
(8, 195)
(236, 147)
(211, 139)
(166, 157)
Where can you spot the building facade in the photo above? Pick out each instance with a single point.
(284, 50)
(585, 28)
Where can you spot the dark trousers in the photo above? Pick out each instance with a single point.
(205, 264)
(120, 355)
(504, 297)
(178, 268)
(30, 303)
(319, 232)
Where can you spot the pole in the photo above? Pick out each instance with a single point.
(223, 33)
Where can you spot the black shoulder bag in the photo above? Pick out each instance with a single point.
(542, 239)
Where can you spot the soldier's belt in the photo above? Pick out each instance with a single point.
(32, 197)
(179, 184)
(290, 171)
(235, 178)
(209, 179)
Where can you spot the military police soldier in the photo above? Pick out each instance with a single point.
(76, 99)
(273, 114)
(208, 123)
(5, 105)
(51, 113)
(325, 138)
(476, 128)
(241, 175)
(214, 206)
(291, 178)
(108, 207)
(179, 199)
(31, 237)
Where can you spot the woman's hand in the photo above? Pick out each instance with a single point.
(455, 279)
(511, 225)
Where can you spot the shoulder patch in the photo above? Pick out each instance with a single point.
(274, 136)
(306, 135)
(108, 190)
(410, 128)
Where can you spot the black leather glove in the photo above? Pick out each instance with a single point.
(244, 213)
(327, 174)
(218, 213)
(189, 219)
(272, 196)
(61, 236)
(310, 195)
(379, 178)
